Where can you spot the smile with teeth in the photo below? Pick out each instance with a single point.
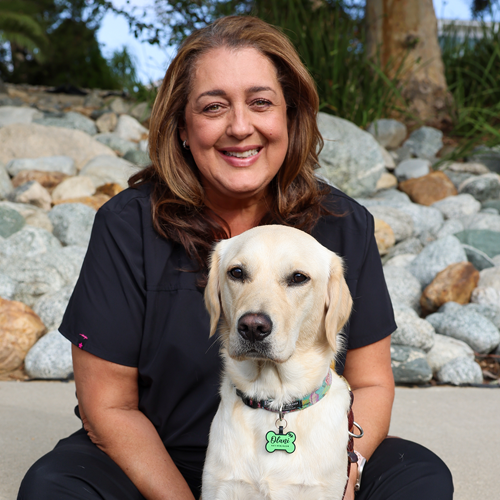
(242, 154)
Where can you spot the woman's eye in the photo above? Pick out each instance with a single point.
(236, 273)
(213, 107)
(298, 278)
(261, 102)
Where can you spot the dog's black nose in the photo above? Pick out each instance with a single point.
(255, 327)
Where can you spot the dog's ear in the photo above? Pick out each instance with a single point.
(338, 302)
(212, 291)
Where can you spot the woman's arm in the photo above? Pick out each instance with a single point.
(369, 373)
(108, 398)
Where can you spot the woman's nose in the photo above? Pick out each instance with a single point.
(240, 124)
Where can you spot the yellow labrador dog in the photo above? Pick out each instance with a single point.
(279, 299)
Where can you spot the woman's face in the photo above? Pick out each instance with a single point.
(236, 124)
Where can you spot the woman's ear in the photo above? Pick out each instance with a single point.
(338, 302)
(212, 291)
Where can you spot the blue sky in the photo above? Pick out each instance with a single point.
(152, 61)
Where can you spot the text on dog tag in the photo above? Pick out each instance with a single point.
(280, 442)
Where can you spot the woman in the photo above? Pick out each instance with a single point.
(233, 142)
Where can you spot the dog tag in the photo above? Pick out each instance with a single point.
(280, 442)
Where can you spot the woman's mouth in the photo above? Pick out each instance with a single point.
(241, 154)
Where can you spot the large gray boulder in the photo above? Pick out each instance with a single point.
(446, 349)
(412, 331)
(460, 371)
(51, 306)
(482, 187)
(403, 287)
(63, 164)
(457, 207)
(425, 142)
(401, 223)
(116, 143)
(71, 120)
(351, 158)
(15, 114)
(10, 222)
(72, 223)
(104, 169)
(7, 287)
(435, 257)
(474, 329)
(412, 169)
(50, 358)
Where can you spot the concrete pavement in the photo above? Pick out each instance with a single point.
(459, 424)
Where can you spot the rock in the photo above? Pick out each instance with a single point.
(386, 181)
(449, 227)
(484, 240)
(477, 258)
(50, 358)
(49, 180)
(482, 220)
(7, 287)
(400, 222)
(425, 142)
(33, 193)
(402, 260)
(428, 189)
(71, 120)
(14, 114)
(351, 158)
(34, 141)
(403, 287)
(384, 236)
(74, 187)
(33, 216)
(27, 243)
(388, 133)
(490, 278)
(10, 222)
(470, 168)
(116, 143)
(51, 306)
(140, 158)
(93, 100)
(119, 106)
(426, 220)
(496, 260)
(61, 164)
(110, 189)
(389, 162)
(490, 157)
(460, 371)
(413, 168)
(486, 295)
(95, 202)
(106, 123)
(72, 223)
(105, 169)
(140, 111)
(472, 328)
(144, 146)
(446, 349)
(411, 246)
(20, 328)
(435, 257)
(390, 197)
(491, 204)
(491, 312)
(412, 331)
(482, 187)
(457, 178)
(409, 365)
(454, 284)
(5, 183)
(130, 129)
(457, 207)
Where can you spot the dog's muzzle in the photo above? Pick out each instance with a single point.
(254, 327)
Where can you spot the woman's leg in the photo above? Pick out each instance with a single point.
(402, 470)
(76, 469)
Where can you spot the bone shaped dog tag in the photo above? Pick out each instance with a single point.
(280, 442)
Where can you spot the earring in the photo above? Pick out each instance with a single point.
(185, 145)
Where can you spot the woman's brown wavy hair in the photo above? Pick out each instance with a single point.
(178, 207)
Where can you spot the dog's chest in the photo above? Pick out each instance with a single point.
(237, 455)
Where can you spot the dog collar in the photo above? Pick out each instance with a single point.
(299, 404)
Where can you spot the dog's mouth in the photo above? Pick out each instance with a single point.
(252, 350)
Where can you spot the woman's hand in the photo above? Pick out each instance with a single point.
(108, 399)
(353, 475)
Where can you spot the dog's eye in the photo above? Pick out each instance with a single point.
(237, 273)
(298, 278)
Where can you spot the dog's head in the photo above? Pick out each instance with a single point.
(275, 289)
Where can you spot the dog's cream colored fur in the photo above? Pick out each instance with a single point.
(289, 364)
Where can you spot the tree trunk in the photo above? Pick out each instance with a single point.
(404, 32)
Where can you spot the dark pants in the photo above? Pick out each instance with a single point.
(76, 469)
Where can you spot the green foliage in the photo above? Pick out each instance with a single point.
(472, 66)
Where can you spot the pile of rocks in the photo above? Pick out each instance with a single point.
(438, 232)
(61, 158)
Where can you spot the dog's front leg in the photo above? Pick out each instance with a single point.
(231, 490)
